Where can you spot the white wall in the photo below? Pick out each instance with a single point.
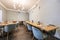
(23, 16)
(12, 15)
(49, 12)
(0, 15)
(3, 13)
(34, 15)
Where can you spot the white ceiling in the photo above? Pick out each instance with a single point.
(10, 5)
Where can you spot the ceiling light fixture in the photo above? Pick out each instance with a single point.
(19, 4)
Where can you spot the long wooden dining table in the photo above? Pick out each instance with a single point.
(4, 24)
(45, 28)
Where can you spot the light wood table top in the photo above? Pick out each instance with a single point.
(50, 28)
(4, 24)
(45, 28)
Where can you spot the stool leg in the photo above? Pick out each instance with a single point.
(33, 38)
(48, 37)
(2, 34)
(7, 35)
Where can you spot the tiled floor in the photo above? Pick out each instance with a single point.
(22, 34)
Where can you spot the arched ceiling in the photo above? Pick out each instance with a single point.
(9, 4)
